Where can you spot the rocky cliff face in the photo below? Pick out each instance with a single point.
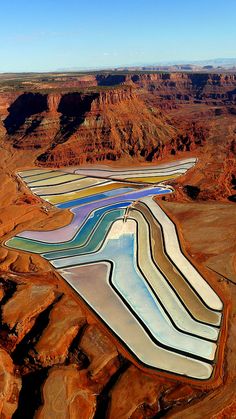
(34, 120)
(146, 118)
(76, 128)
(113, 125)
(218, 88)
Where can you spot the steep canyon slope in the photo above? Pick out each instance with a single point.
(50, 342)
(128, 118)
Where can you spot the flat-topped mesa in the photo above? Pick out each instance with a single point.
(112, 79)
(94, 125)
(68, 103)
(179, 86)
(198, 86)
(6, 100)
(115, 79)
(107, 125)
(113, 96)
(126, 116)
(33, 120)
(195, 78)
(23, 113)
(75, 102)
(29, 119)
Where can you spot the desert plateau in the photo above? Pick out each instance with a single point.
(118, 244)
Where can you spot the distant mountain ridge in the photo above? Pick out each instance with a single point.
(183, 65)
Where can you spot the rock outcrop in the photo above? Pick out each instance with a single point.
(10, 386)
(101, 352)
(130, 118)
(220, 88)
(135, 395)
(19, 314)
(65, 321)
(75, 128)
(117, 125)
(66, 395)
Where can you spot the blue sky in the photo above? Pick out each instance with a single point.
(45, 35)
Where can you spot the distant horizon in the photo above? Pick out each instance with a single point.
(220, 62)
(197, 62)
(71, 34)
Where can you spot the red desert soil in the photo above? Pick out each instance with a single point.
(65, 320)
(66, 394)
(208, 236)
(132, 393)
(101, 352)
(20, 312)
(52, 342)
(10, 385)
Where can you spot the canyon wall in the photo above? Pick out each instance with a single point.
(75, 128)
(218, 88)
(129, 118)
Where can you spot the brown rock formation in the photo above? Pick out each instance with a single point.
(20, 313)
(177, 395)
(102, 354)
(53, 100)
(66, 395)
(214, 144)
(65, 321)
(220, 88)
(135, 395)
(148, 117)
(76, 127)
(1, 292)
(10, 386)
(117, 124)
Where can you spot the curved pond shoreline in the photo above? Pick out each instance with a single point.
(172, 308)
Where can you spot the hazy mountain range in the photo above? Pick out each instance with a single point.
(217, 63)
